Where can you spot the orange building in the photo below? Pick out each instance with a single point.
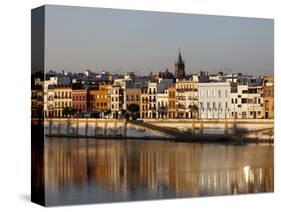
(99, 98)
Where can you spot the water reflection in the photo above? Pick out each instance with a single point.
(85, 171)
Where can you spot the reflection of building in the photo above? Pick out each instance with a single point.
(154, 167)
(268, 97)
(214, 100)
(63, 100)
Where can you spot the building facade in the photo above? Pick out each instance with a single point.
(268, 97)
(187, 99)
(80, 100)
(214, 100)
(99, 99)
(63, 100)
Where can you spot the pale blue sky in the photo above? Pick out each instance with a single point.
(78, 38)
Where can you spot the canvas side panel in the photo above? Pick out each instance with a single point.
(37, 105)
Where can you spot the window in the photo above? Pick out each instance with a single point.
(244, 100)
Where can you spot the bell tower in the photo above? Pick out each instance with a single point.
(179, 68)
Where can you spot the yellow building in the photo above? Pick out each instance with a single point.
(187, 98)
(63, 100)
(172, 101)
(268, 97)
(99, 99)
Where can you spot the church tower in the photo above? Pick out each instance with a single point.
(179, 68)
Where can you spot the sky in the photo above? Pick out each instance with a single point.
(120, 41)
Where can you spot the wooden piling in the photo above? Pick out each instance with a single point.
(59, 126)
(68, 126)
(201, 127)
(115, 127)
(225, 127)
(96, 127)
(125, 129)
(105, 128)
(50, 126)
(77, 126)
(193, 126)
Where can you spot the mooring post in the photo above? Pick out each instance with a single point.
(68, 126)
(59, 126)
(86, 128)
(193, 126)
(96, 127)
(77, 126)
(225, 127)
(201, 127)
(115, 127)
(50, 126)
(105, 127)
(125, 128)
(234, 128)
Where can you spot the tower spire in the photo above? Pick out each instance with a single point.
(179, 67)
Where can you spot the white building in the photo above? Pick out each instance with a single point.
(116, 101)
(152, 93)
(214, 100)
(247, 102)
(162, 101)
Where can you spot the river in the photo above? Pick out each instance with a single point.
(79, 171)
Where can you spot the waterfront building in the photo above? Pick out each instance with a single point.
(80, 99)
(63, 101)
(152, 92)
(162, 104)
(187, 98)
(172, 112)
(268, 97)
(131, 96)
(144, 102)
(99, 99)
(116, 101)
(50, 101)
(214, 100)
(179, 68)
(247, 102)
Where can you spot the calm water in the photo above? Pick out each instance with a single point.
(91, 170)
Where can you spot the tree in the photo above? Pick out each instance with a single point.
(134, 110)
(68, 111)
